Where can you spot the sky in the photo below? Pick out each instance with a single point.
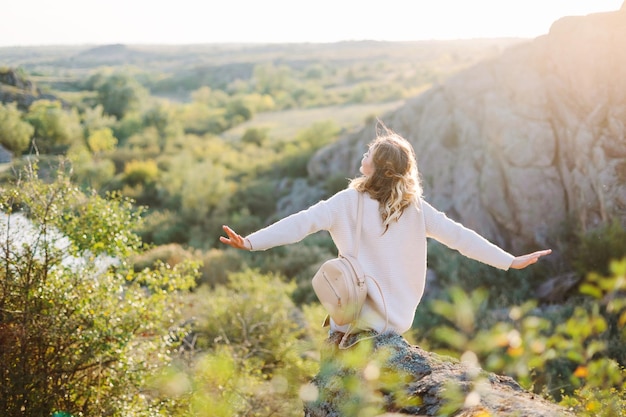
(97, 22)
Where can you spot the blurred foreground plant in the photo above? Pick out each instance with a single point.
(567, 357)
(249, 353)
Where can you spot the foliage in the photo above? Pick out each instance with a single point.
(101, 140)
(55, 128)
(163, 227)
(15, 133)
(81, 331)
(565, 355)
(91, 165)
(594, 249)
(171, 254)
(93, 118)
(298, 262)
(218, 265)
(140, 172)
(118, 93)
(255, 199)
(89, 171)
(360, 382)
(298, 152)
(256, 136)
(251, 357)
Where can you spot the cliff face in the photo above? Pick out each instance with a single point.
(515, 146)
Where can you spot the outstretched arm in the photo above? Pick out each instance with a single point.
(235, 240)
(521, 262)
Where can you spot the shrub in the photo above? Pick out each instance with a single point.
(564, 352)
(596, 248)
(140, 172)
(164, 227)
(15, 134)
(255, 136)
(298, 262)
(217, 265)
(171, 254)
(252, 354)
(55, 128)
(79, 331)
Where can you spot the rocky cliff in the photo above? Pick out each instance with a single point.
(516, 146)
(395, 377)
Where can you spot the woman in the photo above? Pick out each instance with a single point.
(396, 223)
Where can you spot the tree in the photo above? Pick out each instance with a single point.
(160, 117)
(210, 97)
(269, 79)
(15, 134)
(119, 94)
(55, 127)
(255, 135)
(80, 330)
(94, 119)
(101, 140)
(237, 111)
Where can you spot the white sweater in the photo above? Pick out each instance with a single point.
(396, 258)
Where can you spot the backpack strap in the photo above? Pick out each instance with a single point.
(344, 339)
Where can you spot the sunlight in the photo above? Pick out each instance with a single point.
(280, 21)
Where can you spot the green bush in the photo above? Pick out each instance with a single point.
(251, 350)
(218, 264)
(55, 128)
(335, 183)
(255, 136)
(571, 353)
(171, 254)
(298, 262)
(258, 199)
(15, 133)
(140, 172)
(89, 172)
(164, 227)
(595, 249)
(80, 332)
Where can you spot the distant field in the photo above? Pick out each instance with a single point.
(286, 124)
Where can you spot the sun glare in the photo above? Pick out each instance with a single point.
(188, 21)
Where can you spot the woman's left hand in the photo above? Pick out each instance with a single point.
(521, 262)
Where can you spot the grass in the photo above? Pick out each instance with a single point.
(286, 124)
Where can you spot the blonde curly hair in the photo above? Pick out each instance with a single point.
(395, 182)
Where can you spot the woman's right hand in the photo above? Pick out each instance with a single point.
(235, 240)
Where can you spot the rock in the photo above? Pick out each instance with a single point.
(556, 289)
(301, 195)
(5, 156)
(16, 87)
(400, 379)
(516, 146)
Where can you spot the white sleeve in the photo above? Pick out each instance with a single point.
(297, 226)
(466, 241)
